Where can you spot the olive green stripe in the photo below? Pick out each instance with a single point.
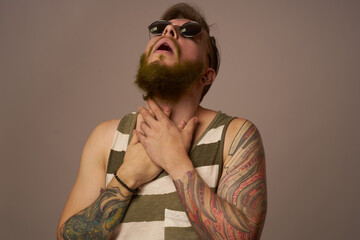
(203, 155)
(127, 123)
(180, 233)
(210, 126)
(152, 207)
(115, 160)
(200, 157)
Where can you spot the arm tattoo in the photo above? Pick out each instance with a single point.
(99, 219)
(238, 209)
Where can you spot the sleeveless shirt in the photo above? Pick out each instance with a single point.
(156, 212)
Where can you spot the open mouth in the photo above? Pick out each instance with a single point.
(165, 47)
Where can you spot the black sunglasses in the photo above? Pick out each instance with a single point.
(189, 29)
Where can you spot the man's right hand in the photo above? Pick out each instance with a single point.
(137, 167)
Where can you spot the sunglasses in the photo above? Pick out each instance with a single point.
(189, 29)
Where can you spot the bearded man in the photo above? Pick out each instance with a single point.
(174, 170)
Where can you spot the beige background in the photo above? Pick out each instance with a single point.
(292, 67)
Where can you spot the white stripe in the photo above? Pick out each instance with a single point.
(109, 177)
(165, 184)
(212, 136)
(209, 174)
(141, 230)
(120, 141)
(176, 219)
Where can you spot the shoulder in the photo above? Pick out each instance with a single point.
(104, 132)
(234, 126)
(107, 127)
(100, 140)
(238, 129)
(238, 124)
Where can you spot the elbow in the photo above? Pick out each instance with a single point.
(259, 225)
(59, 233)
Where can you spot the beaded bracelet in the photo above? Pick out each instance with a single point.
(124, 185)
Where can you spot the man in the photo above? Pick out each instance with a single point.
(175, 170)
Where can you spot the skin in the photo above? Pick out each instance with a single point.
(236, 211)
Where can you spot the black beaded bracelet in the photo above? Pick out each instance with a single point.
(124, 185)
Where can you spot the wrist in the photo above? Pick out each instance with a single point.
(127, 178)
(179, 167)
(133, 191)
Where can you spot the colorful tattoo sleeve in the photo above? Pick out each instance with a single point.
(99, 219)
(238, 209)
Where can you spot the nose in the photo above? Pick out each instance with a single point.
(170, 31)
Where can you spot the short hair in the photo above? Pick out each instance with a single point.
(185, 11)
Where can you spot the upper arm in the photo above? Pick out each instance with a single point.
(92, 170)
(243, 181)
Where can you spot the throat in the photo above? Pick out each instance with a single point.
(182, 110)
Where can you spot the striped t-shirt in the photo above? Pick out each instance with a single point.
(155, 212)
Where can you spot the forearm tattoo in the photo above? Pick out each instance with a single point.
(238, 209)
(99, 219)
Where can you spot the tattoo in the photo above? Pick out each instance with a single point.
(99, 219)
(238, 209)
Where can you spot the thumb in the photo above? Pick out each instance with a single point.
(188, 130)
(181, 125)
(134, 140)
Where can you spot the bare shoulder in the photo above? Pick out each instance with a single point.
(105, 129)
(97, 148)
(102, 137)
(237, 129)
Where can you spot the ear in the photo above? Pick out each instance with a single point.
(209, 76)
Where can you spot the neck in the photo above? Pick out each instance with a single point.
(182, 110)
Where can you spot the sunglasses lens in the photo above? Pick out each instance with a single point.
(158, 27)
(190, 29)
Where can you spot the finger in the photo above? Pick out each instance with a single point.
(181, 125)
(188, 130)
(167, 111)
(159, 114)
(145, 128)
(150, 111)
(134, 139)
(148, 118)
(140, 136)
